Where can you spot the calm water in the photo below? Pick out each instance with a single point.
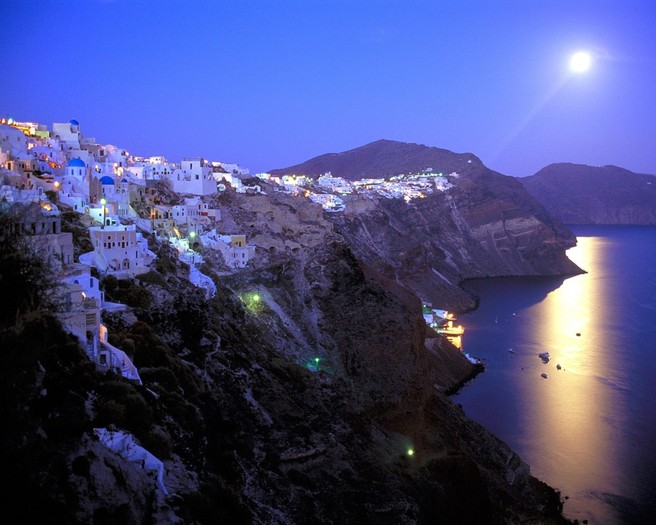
(588, 429)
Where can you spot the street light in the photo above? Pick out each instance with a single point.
(103, 201)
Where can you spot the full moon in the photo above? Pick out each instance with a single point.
(580, 62)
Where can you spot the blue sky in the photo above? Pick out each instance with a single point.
(269, 84)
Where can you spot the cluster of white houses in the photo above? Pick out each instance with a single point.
(329, 190)
(40, 168)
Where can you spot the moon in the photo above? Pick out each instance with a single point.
(580, 62)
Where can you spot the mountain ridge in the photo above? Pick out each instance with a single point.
(383, 158)
(582, 194)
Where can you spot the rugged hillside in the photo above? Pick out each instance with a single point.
(251, 427)
(487, 225)
(579, 194)
(384, 158)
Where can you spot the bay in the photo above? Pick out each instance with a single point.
(589, 428)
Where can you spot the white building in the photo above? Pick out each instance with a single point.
(82, 303)
(233, 248)
(12, 140)
(40, 224)
(68, 133)
(74, 185)
(193, 177)
(118, 250)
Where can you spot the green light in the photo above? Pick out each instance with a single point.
(256, 297)
(316, 360)
(192, 234)
(411, 452)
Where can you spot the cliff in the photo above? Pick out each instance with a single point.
(579, 194)
(487, 225)
(308, 389)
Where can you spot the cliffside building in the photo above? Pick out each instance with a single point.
(118, 250)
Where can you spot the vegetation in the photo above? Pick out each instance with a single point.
(26, 282)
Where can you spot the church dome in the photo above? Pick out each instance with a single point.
(106, 181)
(76, 163)
(74, 122)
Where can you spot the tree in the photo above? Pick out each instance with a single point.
(26, 280)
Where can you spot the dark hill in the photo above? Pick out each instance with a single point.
(579, 194)
(384, 158)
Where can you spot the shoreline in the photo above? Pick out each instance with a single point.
(477, 369)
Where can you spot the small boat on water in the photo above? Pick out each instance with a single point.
(544, 356)
(543, 375)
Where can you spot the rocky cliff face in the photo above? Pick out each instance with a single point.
(579, 194)
(378, 392)
(486, 226)
(296, 394)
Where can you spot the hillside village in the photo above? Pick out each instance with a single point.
(220, 343)
(43, 169)
(125, 199)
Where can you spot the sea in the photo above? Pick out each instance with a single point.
(584, 416)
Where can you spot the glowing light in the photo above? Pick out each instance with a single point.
(580, 62)
(256, 297)
(192, 234)
(411, 452)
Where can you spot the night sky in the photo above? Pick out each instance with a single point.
(269, 84)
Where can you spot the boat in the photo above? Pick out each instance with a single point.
(543, 375)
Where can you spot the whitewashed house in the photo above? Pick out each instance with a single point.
(194, 176)
(233, 248)
(118, 250)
